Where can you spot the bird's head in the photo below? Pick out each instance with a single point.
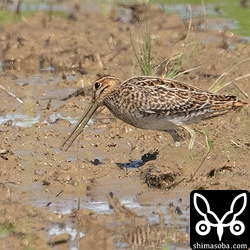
(103, 87)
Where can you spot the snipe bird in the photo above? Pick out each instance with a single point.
(154, 103)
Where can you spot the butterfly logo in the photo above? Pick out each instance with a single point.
(203, 227)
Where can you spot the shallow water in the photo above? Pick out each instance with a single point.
(49, 164)
(236, 17)
(102, 207)
(19, 120)
(175, 212)
(26, 121)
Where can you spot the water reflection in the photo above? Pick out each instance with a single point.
(235, 14)
(26, 121)
(19, 120)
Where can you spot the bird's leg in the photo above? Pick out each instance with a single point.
(192, 135)
(175, 136)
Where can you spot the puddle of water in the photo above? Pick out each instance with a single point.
(48, 69)
(66, 204)
(37, 79)
(138, 163)
(25, 121)
(59, 228)
(55, 116)
(188, 12)
(20, 120)
(1, 65)
(102, 207)
(237, 16)
(232, 16)
(37, 5)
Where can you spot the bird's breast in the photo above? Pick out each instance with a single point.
(140, 120)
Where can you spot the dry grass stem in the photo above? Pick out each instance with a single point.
(11, 94)
(218, 85)
(187, 71)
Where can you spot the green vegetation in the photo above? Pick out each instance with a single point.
(236, 14)
(222, 82)
(209, 143)
(172, 66)
(6, 229)
(11, 16)
(7, 16)
(144, 54)
(213, 8)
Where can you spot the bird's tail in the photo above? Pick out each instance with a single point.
(222, 104)
(238, 104)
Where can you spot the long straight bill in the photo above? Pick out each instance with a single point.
(79, 126)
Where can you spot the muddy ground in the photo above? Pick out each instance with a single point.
(47, 58)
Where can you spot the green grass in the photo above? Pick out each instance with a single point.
(144, 54)
(144, 57)
(7, 16)
(222, 81)
(174, 64)
(59, 13)
(228, 9)
(209, 143)
(6, 229)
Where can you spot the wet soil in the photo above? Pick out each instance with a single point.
(143, 179)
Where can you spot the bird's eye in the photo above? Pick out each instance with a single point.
(97, 85)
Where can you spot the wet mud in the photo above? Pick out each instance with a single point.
(117, 186)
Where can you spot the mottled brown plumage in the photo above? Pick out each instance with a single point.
(155, 103)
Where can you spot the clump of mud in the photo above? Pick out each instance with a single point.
(48, 63)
